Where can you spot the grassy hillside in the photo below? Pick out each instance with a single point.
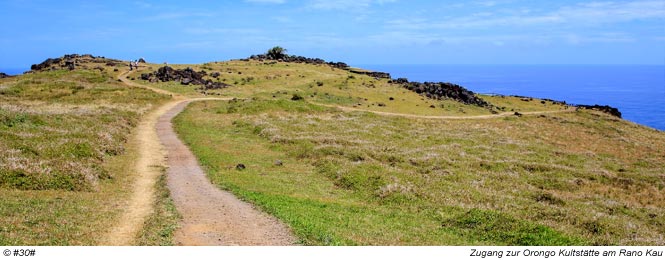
(66, 161)
(323, 84)
(572, 178)
(334, 173)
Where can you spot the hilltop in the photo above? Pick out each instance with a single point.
(341, 155)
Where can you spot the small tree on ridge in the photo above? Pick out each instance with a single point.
(276, 53)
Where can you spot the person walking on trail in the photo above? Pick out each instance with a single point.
(130, 65)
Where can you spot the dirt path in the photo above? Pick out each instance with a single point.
(505, 114)
(210, 216)
(147, 168)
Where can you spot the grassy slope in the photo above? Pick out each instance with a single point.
(65, 161)
(359, 178)
(323, 84)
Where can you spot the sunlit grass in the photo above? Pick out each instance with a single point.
(65, 160)
(359, 178)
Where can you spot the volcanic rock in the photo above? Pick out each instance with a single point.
(605, 109)
(441, 90)
(185, 77)
(74, 61)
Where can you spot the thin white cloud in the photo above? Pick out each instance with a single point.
(345, 4)
(409, 38)
(143, 4)
(176, 15)
(266, 1)
(586, 14)
(216, 31)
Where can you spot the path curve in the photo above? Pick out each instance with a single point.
(146, 169)
(210, 216)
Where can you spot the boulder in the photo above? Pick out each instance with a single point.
(240, 167)
(70, 64)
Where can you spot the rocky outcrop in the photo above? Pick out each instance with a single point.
(3, 75)
(441, 90)
(374, 74)
(185, 77)
(602, 108)
(301, 59)
(72, 61)
(317, 61)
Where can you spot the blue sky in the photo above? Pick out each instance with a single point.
(354, 31)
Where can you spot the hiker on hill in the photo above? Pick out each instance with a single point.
(130, 65)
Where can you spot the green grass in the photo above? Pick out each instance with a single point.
(323, 84)
(57, 127)
(159, 227)
(362, 179)
(65, 159)
(357, 178)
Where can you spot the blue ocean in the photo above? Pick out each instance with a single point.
(638, 91)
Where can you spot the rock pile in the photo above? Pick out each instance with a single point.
(440, 90)
(605, 109)
(71, 61)
(374, 74)
(301, 59)
(185, 77)
(318, 61)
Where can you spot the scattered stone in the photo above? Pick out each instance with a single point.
(518, 114)
(381, 104)
(296, 97)
(432, 106)
(278, 163)
(3, 75)
(240, 167)
(391, 98)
